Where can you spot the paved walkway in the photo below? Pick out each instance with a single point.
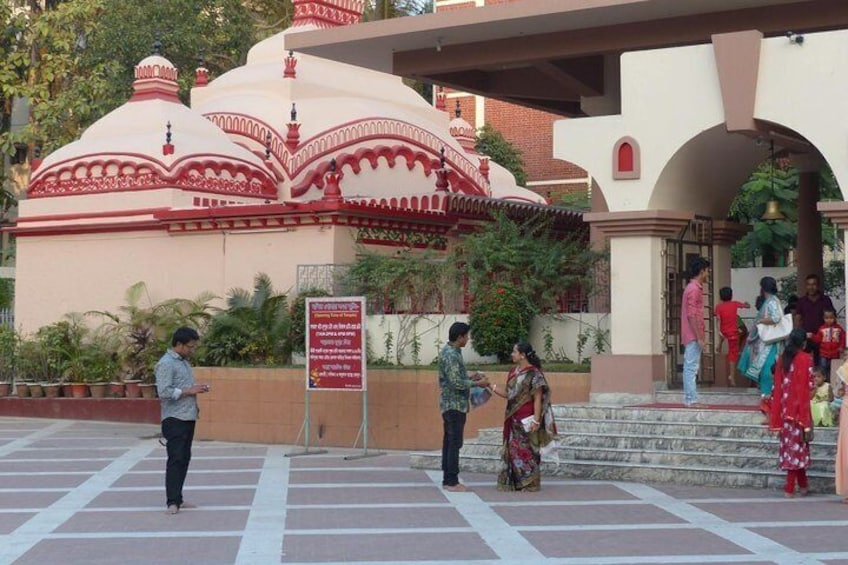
(90, 492)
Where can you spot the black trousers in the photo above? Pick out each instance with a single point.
(454, 424)
(179, 434)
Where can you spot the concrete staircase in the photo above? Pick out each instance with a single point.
(726, 447)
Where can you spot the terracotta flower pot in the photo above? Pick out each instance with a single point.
(52, 390)
(5, 389)
(22, 389)
(79, 390)
(148, 390)
(98, 390)
(67, 390)
(35, 390)
(116, 390)
(132, 389)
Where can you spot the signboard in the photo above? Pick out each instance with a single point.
(335, 343)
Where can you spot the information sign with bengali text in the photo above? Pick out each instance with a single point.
(335, 343)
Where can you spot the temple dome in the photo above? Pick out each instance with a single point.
(153, 142)
(307, 111)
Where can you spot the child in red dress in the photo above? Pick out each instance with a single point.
(729, 329)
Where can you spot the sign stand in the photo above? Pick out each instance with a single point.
(335, 359)
(363, 432)
(304, 430)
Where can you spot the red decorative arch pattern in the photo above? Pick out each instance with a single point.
(96, 173)
(465, 175)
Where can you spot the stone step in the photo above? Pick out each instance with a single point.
(820, 448)
(713, 397)
(820, 482)
(489, 444)
(661, 429)
(663, 458)
(641, 413)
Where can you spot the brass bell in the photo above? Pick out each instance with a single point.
(773, 213)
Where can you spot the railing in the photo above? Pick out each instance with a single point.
(7, 317)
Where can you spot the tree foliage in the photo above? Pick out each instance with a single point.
(387, 9)
(492, 143)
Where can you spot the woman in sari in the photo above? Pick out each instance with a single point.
(790, 411)
(528, 424)
(758, 358)
(842, 441)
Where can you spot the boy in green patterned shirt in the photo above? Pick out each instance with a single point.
(455, 384)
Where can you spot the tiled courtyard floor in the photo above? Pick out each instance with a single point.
(87, 492)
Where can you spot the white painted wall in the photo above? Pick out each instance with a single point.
(432, 331)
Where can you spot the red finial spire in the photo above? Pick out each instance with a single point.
(168, 148)
(442, 174)
(291, 64)
(293, 133)
(484, 167)
(441, 99)
(332, 191)
(201, 73)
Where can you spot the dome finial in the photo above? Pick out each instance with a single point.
(168, 148)
(442, 173)
(458, 111)
(293, 133)
(290, 70)
(157, 43)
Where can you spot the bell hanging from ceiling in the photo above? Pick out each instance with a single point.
(773, 213)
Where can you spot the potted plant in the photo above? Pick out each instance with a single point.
(143, 329)
(33, 366)
(102, 366)
(8, 359)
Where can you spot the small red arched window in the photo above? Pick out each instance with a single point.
(626, 159)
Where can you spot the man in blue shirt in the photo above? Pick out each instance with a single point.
(178, 396)
(455, 384)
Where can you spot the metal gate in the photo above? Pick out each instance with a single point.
(694, 240)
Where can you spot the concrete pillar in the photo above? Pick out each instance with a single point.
(725, 234)
(837, 212)
(808, 250)
(637, 361)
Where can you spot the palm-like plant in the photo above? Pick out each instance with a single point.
(253, 329)
(143, 328)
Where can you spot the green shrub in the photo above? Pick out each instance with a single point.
(297, 329)
(500, 316)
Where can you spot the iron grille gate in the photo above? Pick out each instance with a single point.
(694, 240)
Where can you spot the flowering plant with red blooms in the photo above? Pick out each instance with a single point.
(500, 316)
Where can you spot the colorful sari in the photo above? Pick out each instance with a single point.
(758, 358)
(520, 454)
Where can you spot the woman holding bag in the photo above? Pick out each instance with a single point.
(529, 423)
(758, 357)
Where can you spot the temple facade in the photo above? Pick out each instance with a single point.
(288, 162)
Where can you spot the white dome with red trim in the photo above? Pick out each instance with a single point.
(153, 142)
(385, 138)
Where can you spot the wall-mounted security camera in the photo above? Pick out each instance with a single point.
(795, 38)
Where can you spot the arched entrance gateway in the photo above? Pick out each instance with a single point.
(677, 102)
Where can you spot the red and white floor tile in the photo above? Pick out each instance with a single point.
(88, 493)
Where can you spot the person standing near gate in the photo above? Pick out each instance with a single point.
(178, 396)
(692, 328)
(455, 385)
